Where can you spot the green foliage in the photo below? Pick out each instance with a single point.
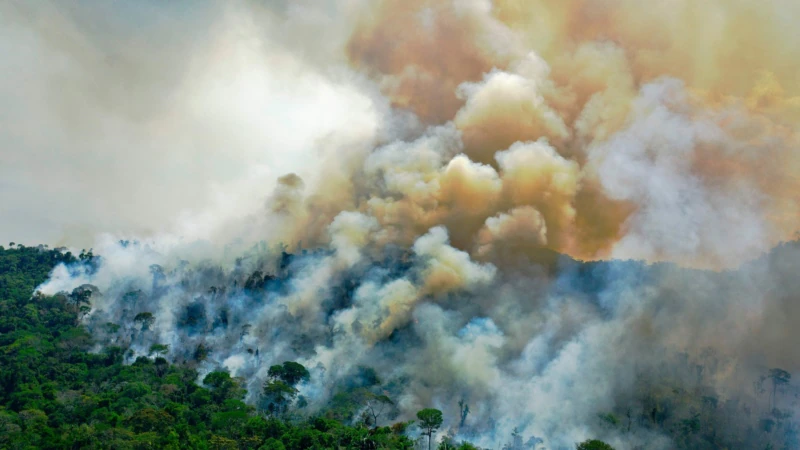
(374, 405)
(145, 320)
(272, 444)
(149, 419)
(224, 387)
(159, 349)
(450, 444)
(609, 419)
(593, 444)
(56, 395)
(200, 353)
(290, 373)
(277, 397)
(429, 421)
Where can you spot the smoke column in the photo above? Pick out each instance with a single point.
(405, 174)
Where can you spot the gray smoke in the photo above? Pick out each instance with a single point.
(545, 354)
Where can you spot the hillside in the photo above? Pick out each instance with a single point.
(64, 389)
(116, 387)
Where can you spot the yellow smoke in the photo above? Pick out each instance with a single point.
(533, 87)
(598, 128)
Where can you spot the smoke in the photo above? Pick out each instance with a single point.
(586, 74)
(173, 130)
(394, 184)
(141, 119)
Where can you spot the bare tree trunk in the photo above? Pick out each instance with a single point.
(774, 389)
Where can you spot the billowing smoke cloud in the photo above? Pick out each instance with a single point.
(620, 88)
(180, 131)
(390, 183)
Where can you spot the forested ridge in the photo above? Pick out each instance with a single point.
(62, 388)
(59, 389)
(57, 394)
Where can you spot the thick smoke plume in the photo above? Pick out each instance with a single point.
(389, 184)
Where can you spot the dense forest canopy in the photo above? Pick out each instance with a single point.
(77, 376)
(61, 390)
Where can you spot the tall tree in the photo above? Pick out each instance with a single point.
(430, 420)
(779, 377)
(463, 409)
(279, 391)
(376, 405)
(145, 319)
(79, 299)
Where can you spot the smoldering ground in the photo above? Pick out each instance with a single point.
(432, 159)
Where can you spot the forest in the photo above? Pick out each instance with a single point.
(61, 389)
